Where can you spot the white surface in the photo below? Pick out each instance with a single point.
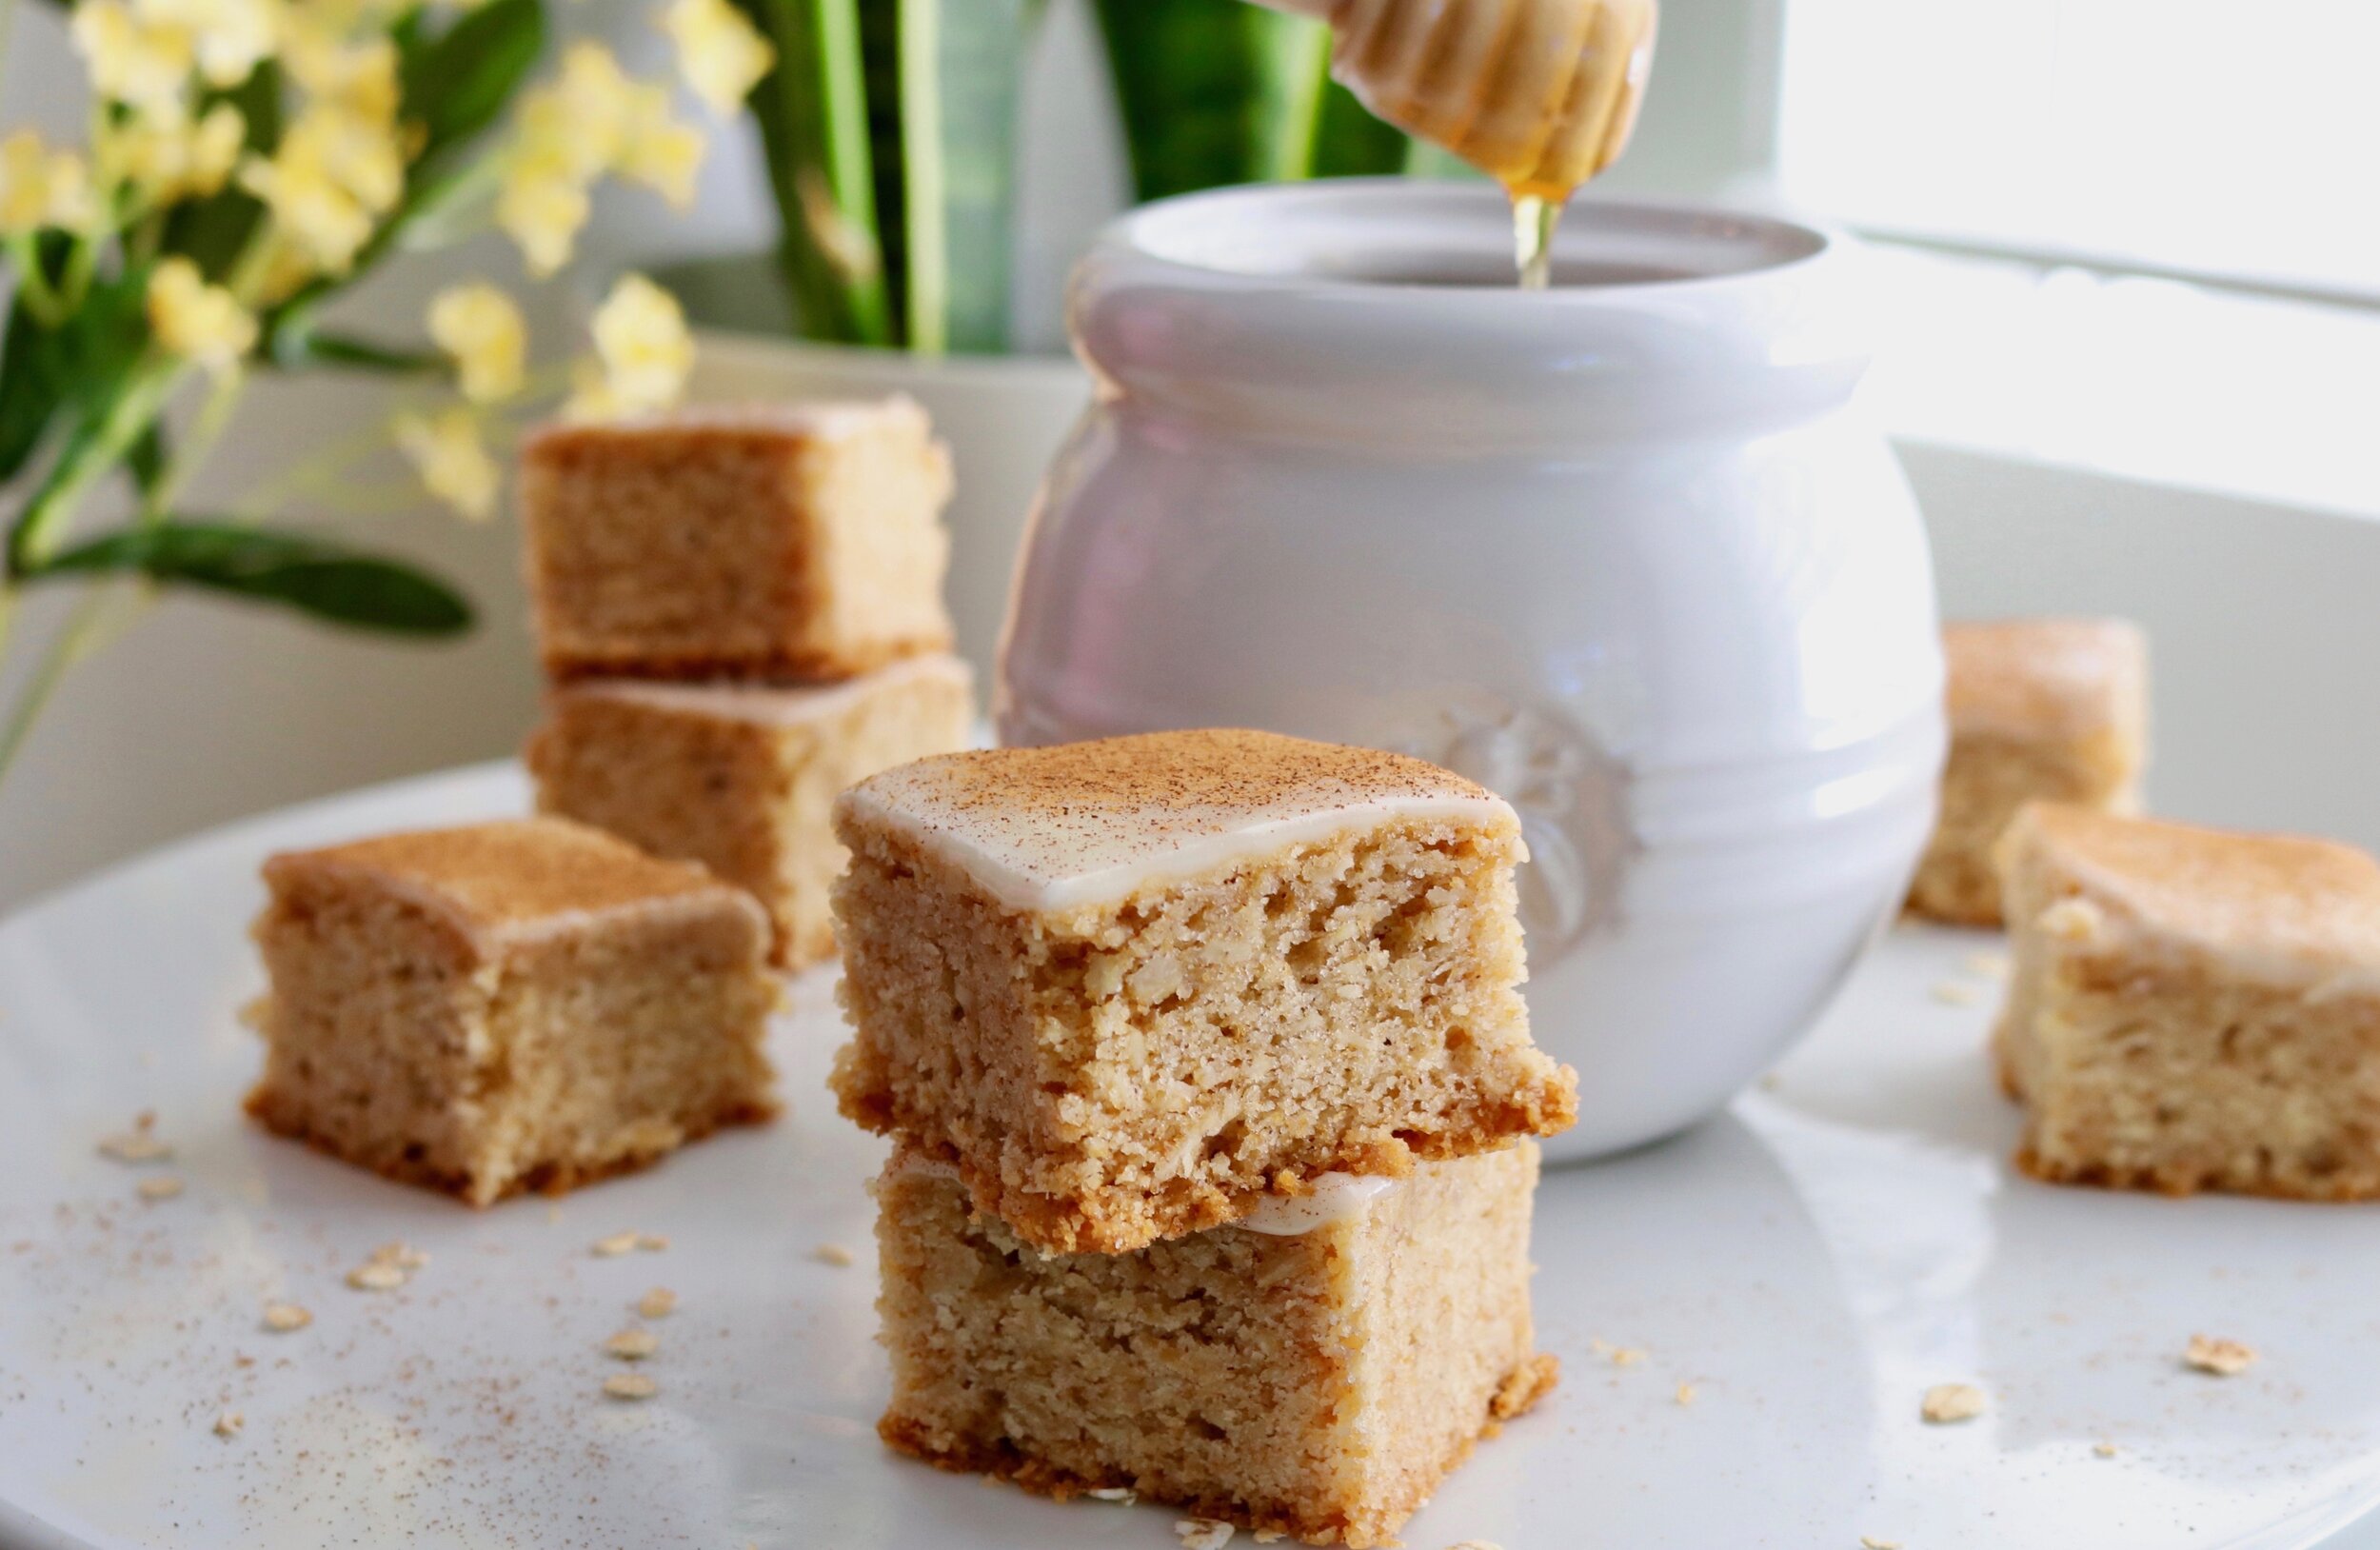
(1809, 1264)
(1620, 552)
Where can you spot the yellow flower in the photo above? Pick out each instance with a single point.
(130, 58)
(657, 151)
(40, 187)
(541, 208)
(333, 174)
(646, 353)
(165, 157)
(722, 55)
(480, 327)
(358, 74)
(193, 319)
(227, 36)
(453, 463)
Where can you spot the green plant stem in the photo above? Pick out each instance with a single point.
(927, 243)
(76, 640)
(32, 282)
(214, 415)
(43, 525)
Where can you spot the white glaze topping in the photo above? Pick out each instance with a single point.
(1332, 1198)
(772, 704)
(1089, 822)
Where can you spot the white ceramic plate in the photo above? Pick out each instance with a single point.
(1809, 1265)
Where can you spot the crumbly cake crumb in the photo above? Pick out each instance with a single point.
(1154, 1052)
(377, 1277)
(283, 1317)
(742, 778)
(1219, 1373)
(835, 1254)
(2039, 710)
(657, 1304)
(2104, 1450)
(162, 1186)
(228, 1423)
(2192, 1008)
(523, 1004)
(631, 1386)
(632, 1344)
(753, 546)
(1957, 993)
(1948, 1403)
(2221, 1358)
(138, 1144)
(1686, 1394)
(613, 1245)
(1203, 1532)
(1869, 1542)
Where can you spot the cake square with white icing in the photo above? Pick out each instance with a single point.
(2192, 1008)
(528, 1005)
(794, 541)
(743, 777)
(2039, 710)
(1314, 1369)
(1127, 988)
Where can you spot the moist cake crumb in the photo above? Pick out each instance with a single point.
(1626, 1355)
(835, 1254)
(1225, 1372)
(2192, 1008)
(614, 1245)
(1948, 1403)
(376, 1277)
(162, 1186)
(798, 544)
(1202, 1533)
(1129, 987)
(743, 777)
(283, 1317)
(2039, 710)
(631, 1386)
(632, 1344)
(1869, 1542)
(507, 1006)
(657, 1304)
(1685, 1393)
(2221, 1358)
(2105, 1450)
(228, 1422)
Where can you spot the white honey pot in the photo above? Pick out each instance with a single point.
(1623, 551)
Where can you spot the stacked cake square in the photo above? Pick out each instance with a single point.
(1211, 1091)
(740, 613)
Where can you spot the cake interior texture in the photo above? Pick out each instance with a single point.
(723, 544)
(485, 1051)
(742, 778)
(2192, 1010)
(2040, 710)
(1320, 1384)
(1113, 1072)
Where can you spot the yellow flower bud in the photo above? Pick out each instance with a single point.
(163, 157)
(130, 58)
(228, 37)
(541, 208)
(657, 151)
(40, 187)
(722, 55)
(640, 338)
(192, 318)
(453, 463)
(479, 326)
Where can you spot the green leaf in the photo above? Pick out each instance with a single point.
(147, 459)
(294, 348)
(314, 576)
(813, 114)
(945, 79)
(31, 389)
(455, 83)
(1214, 92)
